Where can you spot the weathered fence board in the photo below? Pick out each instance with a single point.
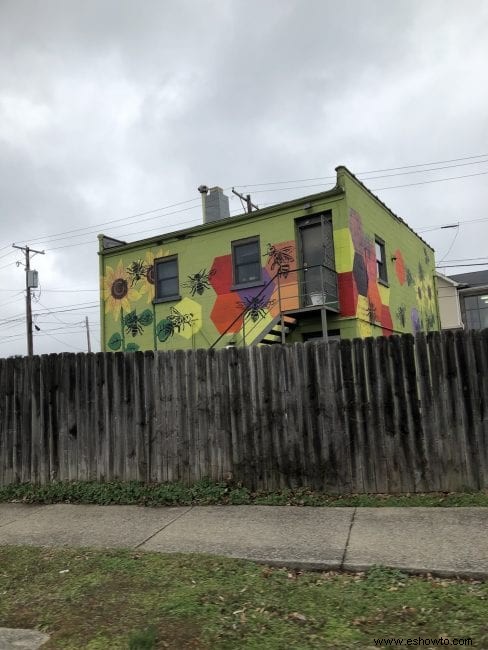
(398, 414)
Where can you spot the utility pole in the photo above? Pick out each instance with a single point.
(87, 333)
(247, 199)
(28, 285)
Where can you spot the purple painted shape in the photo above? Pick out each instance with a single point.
(245, 295)
(416, 323)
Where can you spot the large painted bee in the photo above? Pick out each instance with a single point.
(175, 321)
(256, 306)
(136, 271)
(179, 320)
(132, 324)
(371, 311)
(198, 282)
(135, 323)
(280, 258)
(401, 312)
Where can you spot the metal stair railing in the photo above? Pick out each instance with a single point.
(282, 312)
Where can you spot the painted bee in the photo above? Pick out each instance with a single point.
(281, 258)
(135, 323)
(371, 311)
(136, 271)
(430, 321)
(132, 324)
(256, 307)
(179, 320)
(198, 282)
(400, 313)
(175, 321)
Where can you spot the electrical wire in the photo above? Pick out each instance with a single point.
(446, 265)
(433, 180)
(452, 244)
(373, 171)
(95, 227)
(89, 229)
(456, 224)
(64, 343)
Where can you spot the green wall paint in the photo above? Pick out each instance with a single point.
(132, 320)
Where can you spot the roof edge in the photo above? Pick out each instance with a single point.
(337, 190)
(343, 169)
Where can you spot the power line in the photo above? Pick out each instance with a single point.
(125, 219)
(457, 224)
(9, 264)
(434, 180)
(467, 259)
(446, 266)
(89, 229)
(373, 171)
(53, 290)
(64, 343)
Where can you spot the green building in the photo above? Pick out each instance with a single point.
(338, 263)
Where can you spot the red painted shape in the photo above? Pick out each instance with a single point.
(400, 266)
(386, 321)
(348, 294)
(370, 261)
(221, 274)
(226, 308)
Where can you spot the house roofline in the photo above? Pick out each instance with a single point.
(343, 168)
(215, 225)
(449, 280)
(337, 190)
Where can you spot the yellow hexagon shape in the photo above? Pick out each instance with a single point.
(190, 313)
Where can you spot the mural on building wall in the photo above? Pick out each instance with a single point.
(128, 285)
(174, 322)
(210, 306)
(256, 307)
(257, 303)
(281, 258)
(198, 282)
(363, 296)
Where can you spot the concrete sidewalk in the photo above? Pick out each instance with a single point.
(443, 541)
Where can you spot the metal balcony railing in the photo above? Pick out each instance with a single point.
(303, 288)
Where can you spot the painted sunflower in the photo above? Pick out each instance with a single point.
(117, 290)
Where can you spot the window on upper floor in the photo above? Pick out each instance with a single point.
(166, 279)
(381, 272)
(246, 260)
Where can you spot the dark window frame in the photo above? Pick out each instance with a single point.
(475, 312)
(250, 283)
(169, 297)
(381, 268)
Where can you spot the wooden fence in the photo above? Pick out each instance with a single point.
(398, 414)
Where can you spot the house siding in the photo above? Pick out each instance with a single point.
(208, 303)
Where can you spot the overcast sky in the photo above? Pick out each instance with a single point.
(109, 109)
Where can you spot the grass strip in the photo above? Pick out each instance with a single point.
(125, 599)
(206, 492)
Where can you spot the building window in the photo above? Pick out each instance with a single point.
(167, 286)
(246, 259)
(476, 312)
(381, 272)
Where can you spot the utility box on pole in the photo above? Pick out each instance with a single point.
(32, 279)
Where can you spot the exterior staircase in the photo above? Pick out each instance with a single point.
(272, 335)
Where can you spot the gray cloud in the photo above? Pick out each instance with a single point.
(108, 109)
